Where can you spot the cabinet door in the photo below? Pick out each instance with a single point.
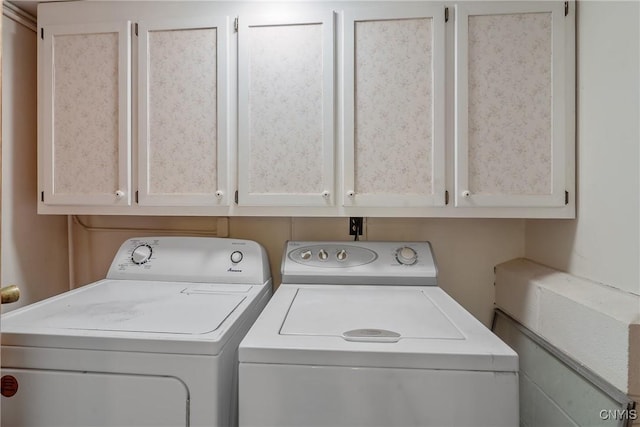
(85, 111)
(183, 112)
(394, 106)
(511, 94)
(286, 134)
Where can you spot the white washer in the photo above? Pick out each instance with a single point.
(153, 344)
(359, 334)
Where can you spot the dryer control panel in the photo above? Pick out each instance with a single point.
(362, 262)
(191, 259)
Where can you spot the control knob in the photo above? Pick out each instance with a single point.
(306, 254)
(323, 255)
(341, 255)
(406, 255)
(141, 254)
(236, 257)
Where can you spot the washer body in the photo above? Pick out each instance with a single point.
(367, 338)
(153, 344)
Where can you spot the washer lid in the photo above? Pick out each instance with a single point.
(356, 314)
(141, 314)
(373, 326)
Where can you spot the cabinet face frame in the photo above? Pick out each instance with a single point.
(219, 196)
(121, 196)
(325, 196)
(559, 115)
(436, 13)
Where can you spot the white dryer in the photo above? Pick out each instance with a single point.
(153, 344)
(359, 334)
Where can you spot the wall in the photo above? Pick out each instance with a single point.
(603, 244)
(34, 251)
(466, 249)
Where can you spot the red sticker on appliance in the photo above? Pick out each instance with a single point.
(9, 385)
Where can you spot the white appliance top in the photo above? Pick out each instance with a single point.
(361, 262)
(356, 314)
(373, 326)
(134, 310)
(390, 323)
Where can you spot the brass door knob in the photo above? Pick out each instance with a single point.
(10, 294)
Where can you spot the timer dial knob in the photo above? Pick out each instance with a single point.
(406, 255)
(236, 257)
(141, 254)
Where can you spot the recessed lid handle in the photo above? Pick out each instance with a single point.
(371, 335)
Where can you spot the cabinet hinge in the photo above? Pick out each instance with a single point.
(42, 196)
(42, 33)
(566, 197)
(446, 197)
(136, 196)
(446, 14)
(235, 24)
(236, 197)
(566, 8)
(135, 28)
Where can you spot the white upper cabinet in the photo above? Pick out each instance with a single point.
(369, 108)
(182, 103)
(286, 110)
(394, 130)
(512, 111)
(85, 123)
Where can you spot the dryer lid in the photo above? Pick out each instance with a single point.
(138, 313)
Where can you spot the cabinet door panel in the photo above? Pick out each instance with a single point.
(183, 112)
(510, 139)
(86, 114)
(394, 106)
(286, 111)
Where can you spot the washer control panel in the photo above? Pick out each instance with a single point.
(332, 255)
(362, 262)
(191, 259)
